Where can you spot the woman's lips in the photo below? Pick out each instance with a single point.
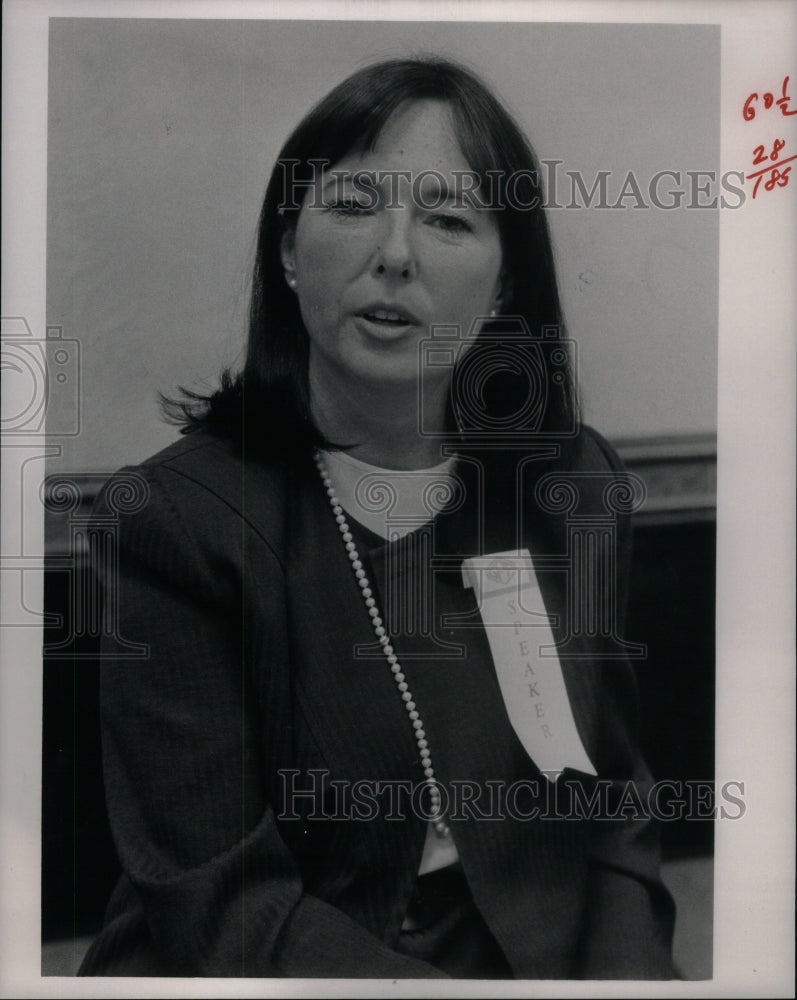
(386, 315)
(389, 312)
(383, 329)
(385, 320)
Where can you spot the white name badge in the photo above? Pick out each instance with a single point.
(518, 630)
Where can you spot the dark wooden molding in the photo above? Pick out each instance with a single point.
(679, 473)
(68, 498)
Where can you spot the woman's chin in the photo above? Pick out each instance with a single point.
(394, 360)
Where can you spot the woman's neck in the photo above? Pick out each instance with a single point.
(380, 421)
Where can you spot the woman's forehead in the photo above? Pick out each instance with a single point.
(419, 136)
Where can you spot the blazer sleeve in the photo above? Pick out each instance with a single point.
(216, 890)
(630, 913)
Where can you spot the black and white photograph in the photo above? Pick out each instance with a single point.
(390, 558)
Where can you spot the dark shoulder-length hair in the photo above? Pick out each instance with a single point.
(266, 406)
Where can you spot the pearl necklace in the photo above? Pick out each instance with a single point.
(436, 815)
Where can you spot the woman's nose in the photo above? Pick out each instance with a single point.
(395, 255)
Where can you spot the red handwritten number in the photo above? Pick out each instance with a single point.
(760, 154)
(783, 102)
(748, 111)
(776, 177)
(774, 172)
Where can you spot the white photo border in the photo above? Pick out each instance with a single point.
(754, 874)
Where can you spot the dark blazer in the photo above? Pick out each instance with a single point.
(261, 687)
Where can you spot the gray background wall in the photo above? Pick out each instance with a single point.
(162, 135)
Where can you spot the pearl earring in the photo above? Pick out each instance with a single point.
(493, 314)
(291, 281)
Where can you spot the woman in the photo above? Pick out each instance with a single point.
(332, 762)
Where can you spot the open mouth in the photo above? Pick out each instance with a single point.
(387, 317)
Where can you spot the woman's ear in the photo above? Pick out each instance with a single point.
(502, 294)
(288, 255)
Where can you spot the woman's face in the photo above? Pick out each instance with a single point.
(374, 268)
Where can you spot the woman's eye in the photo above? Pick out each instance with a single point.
(452, 223)
(349, 207)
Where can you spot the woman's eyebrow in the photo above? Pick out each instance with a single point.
(335, 179)
(435, 186)
(430, 188)
(436, 190)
